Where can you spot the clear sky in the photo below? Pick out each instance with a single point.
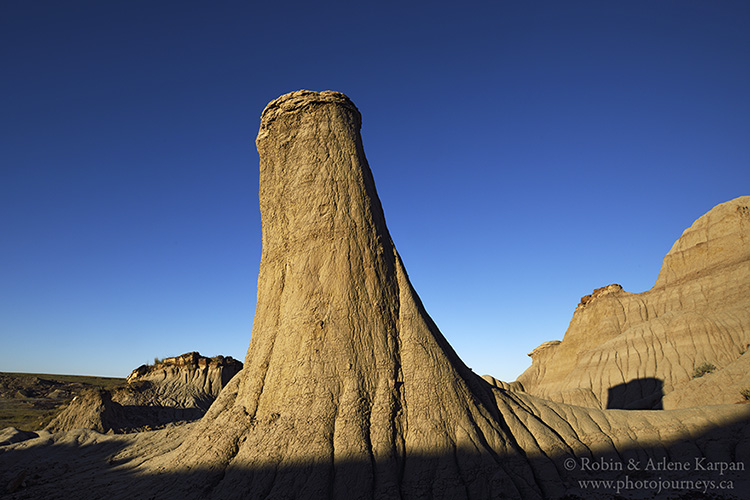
(526, 152)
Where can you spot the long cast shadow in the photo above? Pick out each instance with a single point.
(87, 465)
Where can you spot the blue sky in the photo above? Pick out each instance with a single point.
(525, 154)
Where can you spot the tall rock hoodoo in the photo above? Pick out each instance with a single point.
(346, 377)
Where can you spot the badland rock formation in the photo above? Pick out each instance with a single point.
(186, 381)
(174, 390)
(641, 350)
(349, 389)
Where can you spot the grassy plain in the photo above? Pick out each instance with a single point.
(29, 401)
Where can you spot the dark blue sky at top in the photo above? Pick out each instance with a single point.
(525, 153)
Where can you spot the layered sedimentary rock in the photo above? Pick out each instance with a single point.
(730, 384)
(349, 390)
(186, 381)
(625, 350)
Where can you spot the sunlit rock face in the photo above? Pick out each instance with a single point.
(625, 350)
(344, 365)
(186, 381)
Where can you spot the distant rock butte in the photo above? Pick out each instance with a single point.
(349, 390)
(174, 390)
(625, 350)
(185, 381)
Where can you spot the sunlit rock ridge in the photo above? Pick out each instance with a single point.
(641, 350)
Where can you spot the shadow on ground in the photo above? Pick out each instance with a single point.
(84, 464)
(143, 417)
(639, 394)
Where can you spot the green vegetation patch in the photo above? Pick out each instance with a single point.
(703, 369)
